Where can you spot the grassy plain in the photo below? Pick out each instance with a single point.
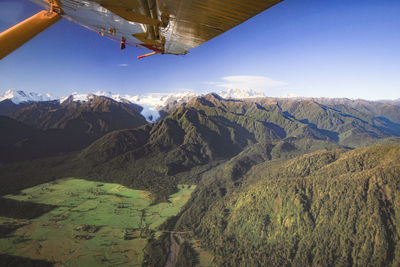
(92, 224)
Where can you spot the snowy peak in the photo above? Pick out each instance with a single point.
(75, 97)
(153, 102)
(18, 96)
(238, 93)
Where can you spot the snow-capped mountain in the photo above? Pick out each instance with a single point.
(239, 93)
(151, 103)
(154, 102)
(75, 97)
(18, 96)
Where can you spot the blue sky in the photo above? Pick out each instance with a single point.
(331, 48)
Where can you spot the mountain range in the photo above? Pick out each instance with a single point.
(12, 100)
(153, 104)
(280, 181)
(72, 123)
(47, 128)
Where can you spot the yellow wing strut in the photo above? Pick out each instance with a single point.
(21, 33)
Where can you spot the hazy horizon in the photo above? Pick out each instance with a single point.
(188, 91)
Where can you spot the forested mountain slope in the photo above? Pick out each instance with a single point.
(58, 128)
(324, 208)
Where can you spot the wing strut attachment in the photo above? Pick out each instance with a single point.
(123, 43)
(149, 54)
(21, 33)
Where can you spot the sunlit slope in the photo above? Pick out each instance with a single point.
(325, 208)
(354, 123)
(83, 223)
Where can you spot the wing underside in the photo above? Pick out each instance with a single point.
(165, 26)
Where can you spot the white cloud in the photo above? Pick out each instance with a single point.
(123, 65)
(249, 82)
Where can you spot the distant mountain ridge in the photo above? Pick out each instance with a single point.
(48, 128)
(155, 104)
(19, 96)
(87, 117)
(12, 100)
(98, 115)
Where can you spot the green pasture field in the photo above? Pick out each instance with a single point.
(92, 224)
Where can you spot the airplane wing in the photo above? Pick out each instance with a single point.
(164, 26)
(194, 22)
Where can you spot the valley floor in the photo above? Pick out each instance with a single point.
(84, 223)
